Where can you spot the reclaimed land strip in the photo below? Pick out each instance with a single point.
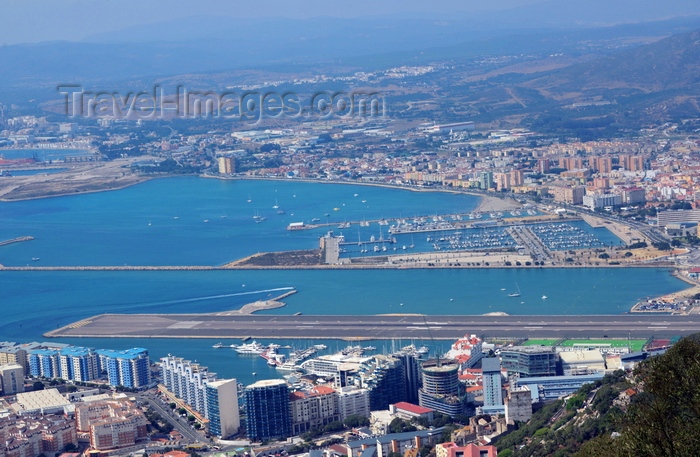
(377, 326)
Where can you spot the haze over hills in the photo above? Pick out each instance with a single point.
(317, 44)
(671, 63)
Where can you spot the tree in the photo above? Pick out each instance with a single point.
(38, 385)
(663, 419)
(662, 246)
(399, 425)
(356, 420)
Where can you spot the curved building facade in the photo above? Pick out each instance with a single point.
(440, 390)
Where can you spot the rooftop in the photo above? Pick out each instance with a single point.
(411, 408)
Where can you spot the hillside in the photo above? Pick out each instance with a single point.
(672, 63)
(653, 412)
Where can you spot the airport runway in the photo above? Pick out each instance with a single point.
(377, 327)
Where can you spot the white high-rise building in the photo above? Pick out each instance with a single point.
(222, 407)
(11, 379)
(186, 380)
(352, 400)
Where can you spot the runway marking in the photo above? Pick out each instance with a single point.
(185, 324)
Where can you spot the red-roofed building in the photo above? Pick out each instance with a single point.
(470, 450)
(467, 351)
(313, 409)
(408, 411)
(473, 392)
(171, 454)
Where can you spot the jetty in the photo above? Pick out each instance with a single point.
(16, 240)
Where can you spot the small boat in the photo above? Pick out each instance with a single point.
(515, 294)
(355, 195)
(276, 205)
(218, 345)
(320, 346)
(35, 259)
(315, 219)
(176, 217)
(205, 220)
(364, 201)
(544, 297)
(336, 209)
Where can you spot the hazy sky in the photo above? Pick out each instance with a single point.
(31, 21)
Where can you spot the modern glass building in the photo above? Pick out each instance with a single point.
(384, 377)
(493, 387)
(268, 410)
(530, 361)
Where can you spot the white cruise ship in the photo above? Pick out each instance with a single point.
(251, 348)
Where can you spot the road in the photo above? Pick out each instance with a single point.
(379, 326)
(176, 421)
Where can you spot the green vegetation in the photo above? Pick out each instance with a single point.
(638, 245)
(560, 428)
(663, 419)
(660, 416)
(662, 246)
(635, 345)
(157, 422)
(356, 420)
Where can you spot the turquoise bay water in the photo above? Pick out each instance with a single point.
(162, 222)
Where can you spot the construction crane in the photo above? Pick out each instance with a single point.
(437, 353)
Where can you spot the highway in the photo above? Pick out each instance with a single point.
(378, 326)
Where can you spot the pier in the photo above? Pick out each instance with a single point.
(16, 240)
(436, 223)
(393, 326)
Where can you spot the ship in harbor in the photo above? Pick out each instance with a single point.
(222, 345)
(253, 348)
(274, 359)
